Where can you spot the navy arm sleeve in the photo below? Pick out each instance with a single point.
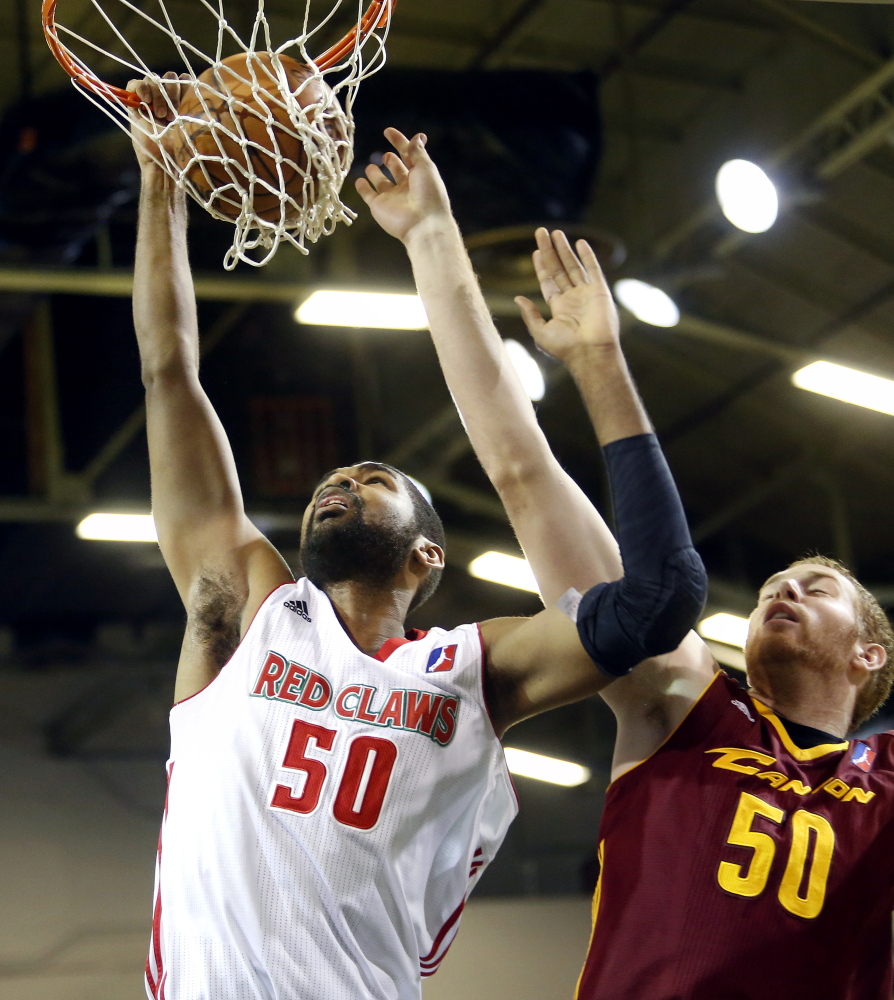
(658, 600)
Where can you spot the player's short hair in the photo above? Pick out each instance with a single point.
(428, 523)
(873, 626)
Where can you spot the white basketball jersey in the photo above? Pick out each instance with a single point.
(328, 813)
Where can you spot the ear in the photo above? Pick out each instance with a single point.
(427, 554)
(872, 656)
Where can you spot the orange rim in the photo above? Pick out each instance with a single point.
(377, 15)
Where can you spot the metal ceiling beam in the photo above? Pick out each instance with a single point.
(853, 127)
(714, 13)
(118, 283)
(522, 13)
(650, 30)
(820, 33)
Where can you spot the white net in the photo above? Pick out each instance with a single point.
(262, 136)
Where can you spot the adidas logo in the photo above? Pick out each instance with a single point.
(299, 607)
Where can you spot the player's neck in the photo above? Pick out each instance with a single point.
(371, 615)
(821, 701)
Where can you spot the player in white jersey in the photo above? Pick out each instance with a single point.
(336, 785)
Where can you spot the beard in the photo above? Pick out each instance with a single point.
(347, 547)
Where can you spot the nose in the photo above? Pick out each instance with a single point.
(788, 589)
(343, 480)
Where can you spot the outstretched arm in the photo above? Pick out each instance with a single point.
(222, 566)
(563, 536)
(650, 611)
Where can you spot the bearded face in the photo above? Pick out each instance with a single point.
(342, 541)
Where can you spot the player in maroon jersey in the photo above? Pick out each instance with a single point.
(746, 845)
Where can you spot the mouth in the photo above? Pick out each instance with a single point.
(332, 502)
(780, 611)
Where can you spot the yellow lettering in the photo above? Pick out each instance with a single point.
(795, 786)
(732, 754)
(774, 777)
(858, 795)
(836, 787)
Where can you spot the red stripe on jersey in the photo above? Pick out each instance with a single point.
(156, 987)
(429, 963)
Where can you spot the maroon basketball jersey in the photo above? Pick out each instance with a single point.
(736, 866)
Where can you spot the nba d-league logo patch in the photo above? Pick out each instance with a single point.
(440, 659)
(863, 756)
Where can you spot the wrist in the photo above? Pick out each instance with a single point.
(435, 227)
(157, 183)
(584, 356)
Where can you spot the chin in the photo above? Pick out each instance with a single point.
(774, 649)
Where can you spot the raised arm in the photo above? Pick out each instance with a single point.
(222, 566)
(641, 618)
(561, 533)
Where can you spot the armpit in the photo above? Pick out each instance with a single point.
(215, 617)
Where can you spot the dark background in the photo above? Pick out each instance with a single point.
(609, 117)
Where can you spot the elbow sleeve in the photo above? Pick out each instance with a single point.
(622, 623)
(658, 600)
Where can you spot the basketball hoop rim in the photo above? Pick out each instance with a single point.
(377, 15)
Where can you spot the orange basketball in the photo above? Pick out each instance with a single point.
(247, 116)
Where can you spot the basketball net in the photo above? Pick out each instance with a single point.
(315, 117)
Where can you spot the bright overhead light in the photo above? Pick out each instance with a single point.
(421, 487)
(747, 196)
(648, 303)
(722, 627)
(118, 528)
(527, 369)
(848, 385)
(379, 310)
(508, 570)
(535, 765)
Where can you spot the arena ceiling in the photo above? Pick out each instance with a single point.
(767, 471)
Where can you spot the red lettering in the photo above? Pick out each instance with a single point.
(446, 721)
(363, 713)
(271, 672)
(361, 793)
(422, 711)
(295, 760)
(317, 692)
(341, 707)
(293, 682)
(393, 711)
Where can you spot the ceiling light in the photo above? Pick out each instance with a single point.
(508, 570)
(377, 310)
(747, 196)
(118, 528)
(535, 765)
(722, 627)
(648, 303)
(527, 370)
(848, 385)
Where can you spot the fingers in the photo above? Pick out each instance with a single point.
(591, 263)
(366, 191)
(573, 267)
(396, 167)
(531, 315)
(377, 178)
(548, 286)
(161, 97)
(551, 266)
(409, 150)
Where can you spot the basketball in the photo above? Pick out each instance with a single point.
(234, 125)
